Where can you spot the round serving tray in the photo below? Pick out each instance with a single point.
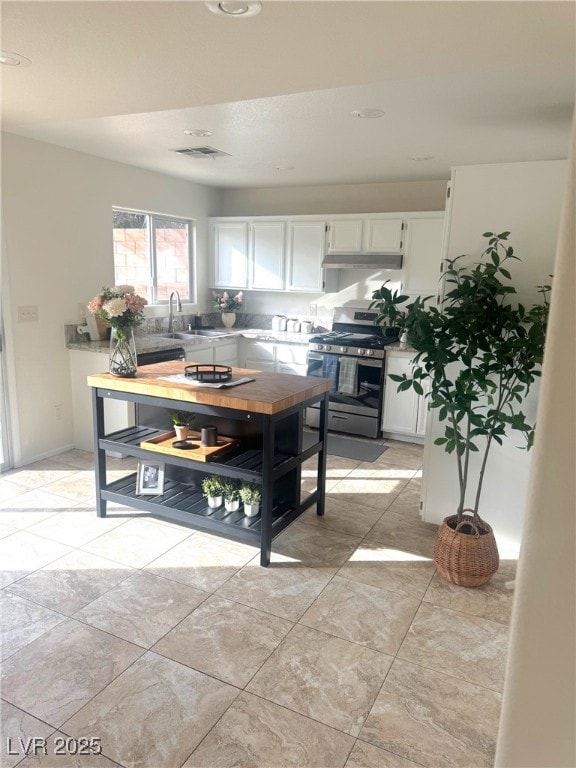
(208, 373)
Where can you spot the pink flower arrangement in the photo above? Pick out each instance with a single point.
(121, 307)
(226, 303)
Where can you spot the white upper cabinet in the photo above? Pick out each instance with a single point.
(383, 234)
(423, 253)
(268, 249)
(248, 254)
(378, 233)
(285, 253)
(306, 246)
(345, 236)
(229, 246)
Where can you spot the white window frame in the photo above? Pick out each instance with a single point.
(153, 218)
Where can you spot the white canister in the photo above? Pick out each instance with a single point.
(278, 323)
(293, 325)
(305, 326)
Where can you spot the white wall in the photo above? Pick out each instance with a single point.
(343, 198)
(525, 198)
(58, 253)
(354, 285)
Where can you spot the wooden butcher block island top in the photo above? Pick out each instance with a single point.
(269, 393)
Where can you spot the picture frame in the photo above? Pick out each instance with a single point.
(150, 478)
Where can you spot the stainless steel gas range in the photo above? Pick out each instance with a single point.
(353, 356)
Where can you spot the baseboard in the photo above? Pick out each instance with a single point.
(403, 438)
(47, 455)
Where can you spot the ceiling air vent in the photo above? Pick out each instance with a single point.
(200, 152)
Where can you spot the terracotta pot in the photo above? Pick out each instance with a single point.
(465, 554)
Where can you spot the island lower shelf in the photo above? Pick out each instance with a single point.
(187, 505)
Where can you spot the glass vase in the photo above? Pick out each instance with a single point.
(122, 360)
(228, 318)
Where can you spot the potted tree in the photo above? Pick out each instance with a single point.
(480, 354)
(251, 495)
(391, 315)
(212, 490)
(182, 421)
(231, 493)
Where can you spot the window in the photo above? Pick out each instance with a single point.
(152, 253)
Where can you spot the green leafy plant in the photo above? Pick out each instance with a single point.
(480, 354)
(182, 418)
(231, 489)
(251, 493)
(212, 486)
(388, 303)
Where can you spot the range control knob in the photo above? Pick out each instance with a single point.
(343, 349)
(320, 347)
(327, 347)
(361, 352)
(370, 353)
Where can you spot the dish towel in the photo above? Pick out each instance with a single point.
(348, 376)
(329, 367)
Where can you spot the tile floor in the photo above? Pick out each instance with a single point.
(175, 648)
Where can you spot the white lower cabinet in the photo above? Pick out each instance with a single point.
(220, 354)
(227, 354)
(279, 358)
(199, 354)
(405, 413)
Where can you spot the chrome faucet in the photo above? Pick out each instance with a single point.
(171, 310)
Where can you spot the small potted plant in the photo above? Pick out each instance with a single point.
(212, 490)
(182, 421)
(231, 493)
(387, 302)
(251, 495)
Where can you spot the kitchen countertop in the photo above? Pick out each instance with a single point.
(398, 347)
(155, 342)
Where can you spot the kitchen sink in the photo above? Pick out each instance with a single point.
(191, 335)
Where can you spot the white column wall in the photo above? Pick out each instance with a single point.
(525, 198)
(537, 728)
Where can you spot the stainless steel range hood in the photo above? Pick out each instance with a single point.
(362, 261)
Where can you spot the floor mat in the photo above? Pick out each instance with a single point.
(349, 447)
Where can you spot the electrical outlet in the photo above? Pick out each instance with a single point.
(28, 314)
(313, 310)
(58, 412)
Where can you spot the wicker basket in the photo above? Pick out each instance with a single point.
(465, 559)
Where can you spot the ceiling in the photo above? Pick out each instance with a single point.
(459, 82)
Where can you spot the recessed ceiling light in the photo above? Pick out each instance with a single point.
(236, 9)
(368, 113)
(197, 132)
(10, 59)
(421, 158)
